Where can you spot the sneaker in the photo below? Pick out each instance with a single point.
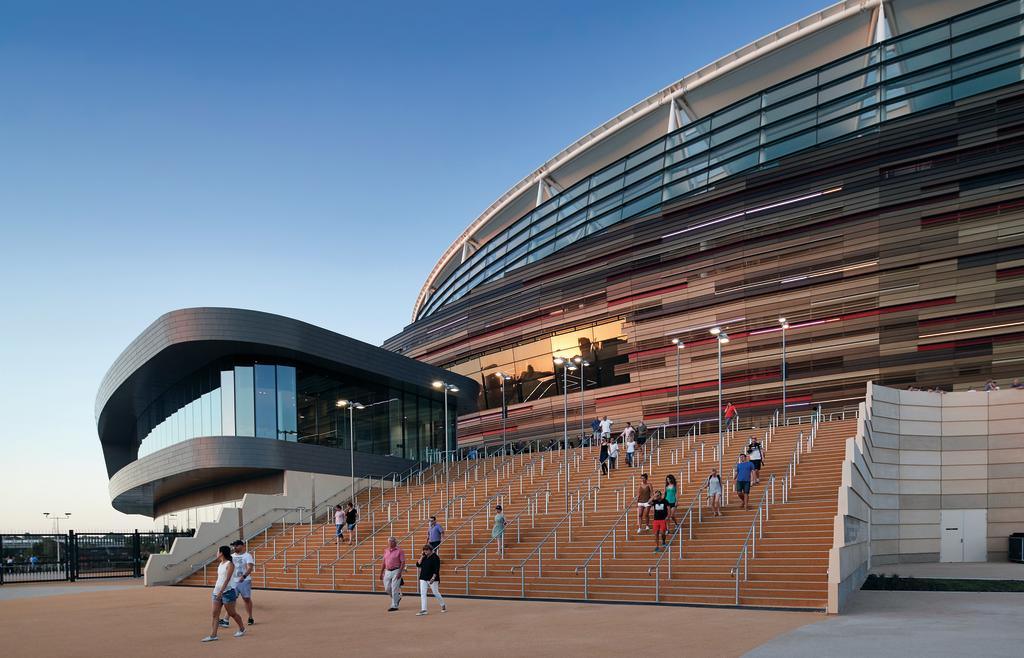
(224, 623)
(251, 622)
(421, 613)
(647, 528)
(392, 609)
(209, 638)
(444, 608)
(240, 632)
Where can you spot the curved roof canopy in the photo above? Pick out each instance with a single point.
(822, 37)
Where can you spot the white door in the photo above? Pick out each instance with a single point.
(975, 535)
(951, 549)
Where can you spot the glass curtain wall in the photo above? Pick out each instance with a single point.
(299, 404)
(533, 373)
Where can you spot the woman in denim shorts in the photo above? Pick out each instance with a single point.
(224, 594)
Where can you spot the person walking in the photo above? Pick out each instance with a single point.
(613, 453)
(339, 524)
(606, 428)
(435, 534)
(670, 497)
(628, 435)
(351, 519)
(224, 594)
(630, 451)
(391, 567)
(641, 439)
(714, 485)
(743, 471)
(643, 505)
(730, 416)
(602, 457)
(430, 578)
(660, 523)
(756, 455)
(595, 429)
(498, 531)
(244, 564)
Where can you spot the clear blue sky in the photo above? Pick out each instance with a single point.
(310, 159)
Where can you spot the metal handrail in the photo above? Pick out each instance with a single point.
(599, 549)
(567, 517)
(443, 510)
(655, 569)
(749, 547)
(485, 506)
(352, 550)
(406, 475)
(530, 509)
(239, 529)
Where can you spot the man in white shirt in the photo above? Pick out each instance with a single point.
(606, 428)
(242, 579)
(629, 437)
(613, 454)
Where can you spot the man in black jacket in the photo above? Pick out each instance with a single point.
(430, 578)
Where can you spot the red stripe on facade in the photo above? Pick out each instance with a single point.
(757, 404)
(987, 210)
(968, 342)
(978, 315)
(1009, 272)
(688, 387)
(942, 301)
(648, 293)
(487, 433)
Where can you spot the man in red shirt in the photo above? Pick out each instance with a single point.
(730, 415)
(391, 569)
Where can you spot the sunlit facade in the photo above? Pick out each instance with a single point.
(857, 173)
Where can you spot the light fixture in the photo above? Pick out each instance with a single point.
(678, 343)
(723, 338)
(559, 360)
(784, 323)
(715, 331)
(341, 403)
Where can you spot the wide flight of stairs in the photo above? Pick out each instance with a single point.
(790, 569)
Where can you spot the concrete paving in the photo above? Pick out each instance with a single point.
(169, 621)
(968, 570)
(11, 592)
(933, 624)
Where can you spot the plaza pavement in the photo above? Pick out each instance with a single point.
(169, 621)
(103, 618)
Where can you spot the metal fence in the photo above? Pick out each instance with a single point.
(76, 556)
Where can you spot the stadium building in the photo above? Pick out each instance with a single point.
(858, 174)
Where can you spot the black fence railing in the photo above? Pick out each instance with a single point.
(76, 556)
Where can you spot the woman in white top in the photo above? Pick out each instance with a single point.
(714, 485)
(224, 594)
(630, 450)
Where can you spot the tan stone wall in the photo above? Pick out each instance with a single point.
(916, 454)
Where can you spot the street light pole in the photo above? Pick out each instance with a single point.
(785, 325)
(583, 363)
(679, 348)
(352, 406)
(445, 386)
(56, 520)
(721, 338)
(566, 367)
(503, 378)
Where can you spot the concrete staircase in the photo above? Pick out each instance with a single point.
(540, 560)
